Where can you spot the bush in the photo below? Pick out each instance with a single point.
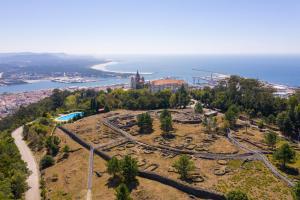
(236, 195)
(296, 191)
(46, 161)
(52, 143)
(198, 108)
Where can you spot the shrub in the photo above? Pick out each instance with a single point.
(236, 195)
(198, 108)
(46, 161)
(296, 191)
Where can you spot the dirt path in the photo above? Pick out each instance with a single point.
(90, 174)
(262, 158)
(33, 180)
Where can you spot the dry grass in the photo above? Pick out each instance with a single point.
(71, 175)
(252, 177)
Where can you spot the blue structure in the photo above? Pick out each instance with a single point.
(70, 116)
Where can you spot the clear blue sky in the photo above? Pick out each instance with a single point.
(150, 26)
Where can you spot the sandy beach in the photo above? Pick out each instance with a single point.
(103, 67)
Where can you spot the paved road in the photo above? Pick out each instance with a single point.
(33, 180)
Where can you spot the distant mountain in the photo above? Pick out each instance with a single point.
(47, 63)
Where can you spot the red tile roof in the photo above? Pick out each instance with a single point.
(167, 82)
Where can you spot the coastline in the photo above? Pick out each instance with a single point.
(103, 67)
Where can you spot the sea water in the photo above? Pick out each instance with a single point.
(281, 69)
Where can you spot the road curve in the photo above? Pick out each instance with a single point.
(33, 180)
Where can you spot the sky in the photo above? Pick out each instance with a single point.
(150, 26)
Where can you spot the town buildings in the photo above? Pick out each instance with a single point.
(171, 84)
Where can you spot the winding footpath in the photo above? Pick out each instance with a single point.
(251, 154)
(260, 156)
(33, 180)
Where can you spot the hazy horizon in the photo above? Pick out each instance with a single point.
(157, 27)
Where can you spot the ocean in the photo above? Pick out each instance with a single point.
(280, 69)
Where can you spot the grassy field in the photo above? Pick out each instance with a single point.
(67, 179)
(256, 180)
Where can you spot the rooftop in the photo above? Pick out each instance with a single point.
(167, 82)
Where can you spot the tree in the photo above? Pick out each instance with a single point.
(144, 122)
(232, 114)
(173, 101)
(183, 166)
(166, 121)
(284, 123)
(122, 192)
(271, 139)
(129, 169)
(94, 106)
(166, 124)
(163, 97)
(106, 108)
(46, 161)
(52, 143)
(284, 154)
(18, 184)
(210, 124)
(261, 124)
(236, 195)
(113, 166)
(183, 97)
(198, 108)
(296, 191)
(164, 113)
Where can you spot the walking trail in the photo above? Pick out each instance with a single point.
(33, 180)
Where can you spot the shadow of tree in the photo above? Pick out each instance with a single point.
(113, 182)
(168, 136)
(133, 185)
(289, 170)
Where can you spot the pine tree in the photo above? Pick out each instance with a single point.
(122, 192)
(183, 166)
